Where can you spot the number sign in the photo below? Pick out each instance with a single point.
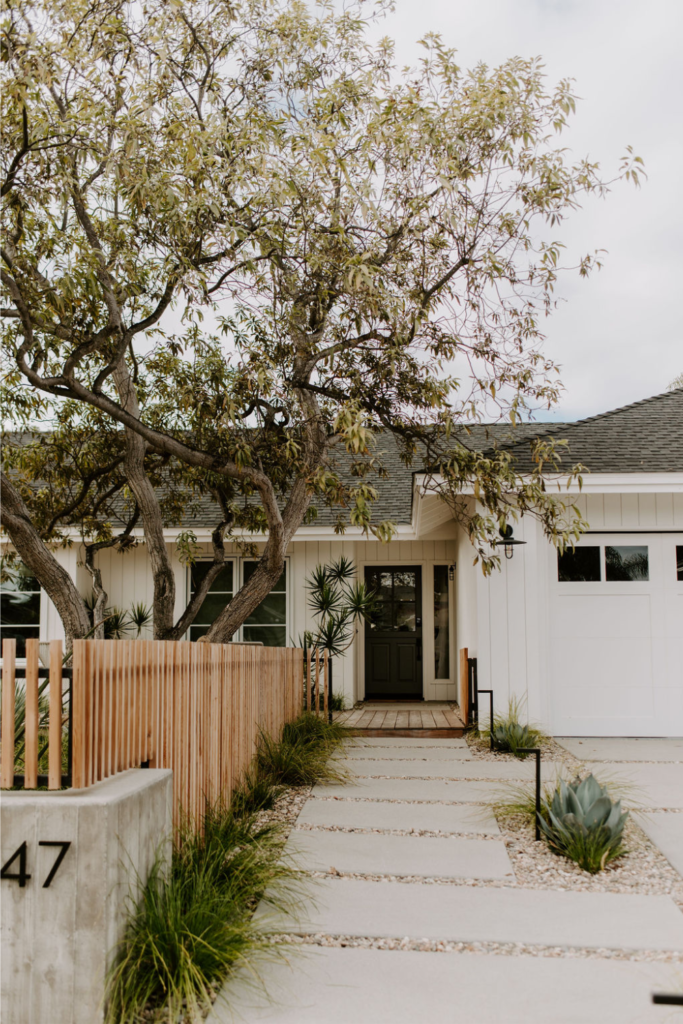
(21, 854)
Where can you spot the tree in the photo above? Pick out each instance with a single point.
(236, 234)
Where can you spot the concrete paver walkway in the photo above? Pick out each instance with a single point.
(350, 830)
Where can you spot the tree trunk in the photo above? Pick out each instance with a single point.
(152, 520)
(98, 590)
(36, 556)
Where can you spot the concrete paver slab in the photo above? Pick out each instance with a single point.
(616, 749)
(457, 754)
(434, 790)
(375, 814)
(378, 854)
(665, 829)
(369, 986)
(461, 914)
(514, 771)
(405, 741)
(650, 785)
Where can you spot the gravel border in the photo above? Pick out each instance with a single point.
(498, 948)
(425, 832)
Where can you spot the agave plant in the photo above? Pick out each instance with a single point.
(582, 822)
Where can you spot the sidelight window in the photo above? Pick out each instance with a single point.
(441, 623)
(679, 562)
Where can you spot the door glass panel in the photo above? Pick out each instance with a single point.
(679, 562)
(441, 616)
(626, 563)
(405, 615)
(395, 599)
(404, 586)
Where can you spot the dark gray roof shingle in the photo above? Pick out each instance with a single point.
(645, 437)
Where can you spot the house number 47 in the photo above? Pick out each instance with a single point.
(20, 855)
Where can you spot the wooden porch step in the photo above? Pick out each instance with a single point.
(409, 719)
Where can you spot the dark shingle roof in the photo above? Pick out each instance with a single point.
(645, 437)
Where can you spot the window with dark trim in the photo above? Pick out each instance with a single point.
(19, 607)
(219, 595)
(679, 562)
(268, 622)
(627, 563)
(579, 565)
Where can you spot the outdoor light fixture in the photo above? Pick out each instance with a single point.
(508, 540)
(451, 572)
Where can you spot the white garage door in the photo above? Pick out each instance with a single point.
(616, 637)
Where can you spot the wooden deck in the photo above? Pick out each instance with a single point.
(429, 719)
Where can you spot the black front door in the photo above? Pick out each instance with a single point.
(393, 635)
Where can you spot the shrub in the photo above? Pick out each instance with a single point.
(584, 823)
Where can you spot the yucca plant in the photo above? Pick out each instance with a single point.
(584, 823)
(338, 602)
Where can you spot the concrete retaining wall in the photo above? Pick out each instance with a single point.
(56, 941)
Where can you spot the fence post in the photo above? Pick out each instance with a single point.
(9, 654)
(54, 756)
(31, 715)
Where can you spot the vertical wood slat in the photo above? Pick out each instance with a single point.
(78, 715)
(54, 748)
(325, 682)
(31, 716)
(9, 654)
(464, 685)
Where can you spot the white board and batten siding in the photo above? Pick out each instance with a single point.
(591, 658)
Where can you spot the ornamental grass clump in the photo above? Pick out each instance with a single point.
(302, 755)
(582, 822)
(510, 736)
(192, 921)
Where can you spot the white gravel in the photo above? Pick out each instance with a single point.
(499, 948)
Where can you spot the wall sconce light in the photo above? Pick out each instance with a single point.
(508, 541)
(451, 572)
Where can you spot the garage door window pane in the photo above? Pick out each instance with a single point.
(582, 565)
(679, 563)
(626, 564)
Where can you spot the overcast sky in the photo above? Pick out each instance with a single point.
(619, 335)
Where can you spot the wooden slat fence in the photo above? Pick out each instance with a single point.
(196, 708)
(41, 729)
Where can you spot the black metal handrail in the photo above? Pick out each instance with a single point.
(473, 719)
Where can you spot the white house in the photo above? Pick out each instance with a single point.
(592, 641)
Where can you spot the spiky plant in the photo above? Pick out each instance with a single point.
(338, 601)
(584, 823)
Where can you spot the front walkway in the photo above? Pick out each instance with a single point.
(418, 915)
